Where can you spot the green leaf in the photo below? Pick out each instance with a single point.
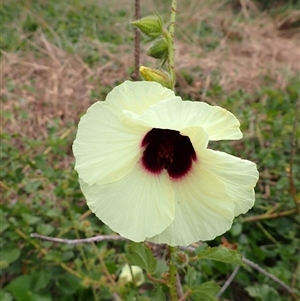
(205, 291)
(161, 267)
(21, 289)
(67, 284)
(44, 229)
(8, 256)
(5, 296)
(263, 292)
(221, 254)
(159, 294)
(40, 279)
(30, 219)
(191, 276)
(140, 255)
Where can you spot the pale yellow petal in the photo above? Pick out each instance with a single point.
(175, 114)
(137, 206)
(137, 96)
(104, 149)
(203, 209)
(239, 177)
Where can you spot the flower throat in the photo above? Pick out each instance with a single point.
(169, 150)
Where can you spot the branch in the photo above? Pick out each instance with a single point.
(264, 272)
(268, 216)
(227, 283)
(97, 238)
(156, 280)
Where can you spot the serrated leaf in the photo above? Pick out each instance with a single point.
(140, 255)
(221, 254)
(205, 291)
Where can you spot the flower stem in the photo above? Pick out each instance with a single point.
(170, 39)
(172, 277)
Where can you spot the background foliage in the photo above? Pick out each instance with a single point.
(58, 57)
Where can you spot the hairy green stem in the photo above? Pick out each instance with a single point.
(170, 39)
(172, 275)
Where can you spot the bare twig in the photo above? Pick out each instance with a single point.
(228, 282)
(261, 270)
(264, 272)
(268, 216)
(97, 238)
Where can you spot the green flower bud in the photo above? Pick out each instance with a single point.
(152, 26)
(156, 75)
(126, 275)
(159, 49)
(180, 259)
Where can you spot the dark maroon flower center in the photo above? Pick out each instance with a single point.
(167, 149)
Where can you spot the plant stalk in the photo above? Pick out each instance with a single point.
(172, 275)
(171, 48)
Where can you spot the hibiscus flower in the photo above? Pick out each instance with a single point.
(146, 170)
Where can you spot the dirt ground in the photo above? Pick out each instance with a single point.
(255, 48)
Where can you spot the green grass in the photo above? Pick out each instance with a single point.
(40, 190)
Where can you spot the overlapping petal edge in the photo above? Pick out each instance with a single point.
(139, 205)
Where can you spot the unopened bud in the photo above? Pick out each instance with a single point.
(180, 259)
(159, 49)
(151, 26)
(155, 75)
(126, 275)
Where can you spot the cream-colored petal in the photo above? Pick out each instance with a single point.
(203, 209)
(175, 114)
(239, 176)
(137, 96)
(104, 149)
(137, 206)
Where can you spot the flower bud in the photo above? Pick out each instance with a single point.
(155, 75)
(159, 49)
(126, 276)
(151, 26)
(180, 259)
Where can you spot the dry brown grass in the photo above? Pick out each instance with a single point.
(249, 51)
